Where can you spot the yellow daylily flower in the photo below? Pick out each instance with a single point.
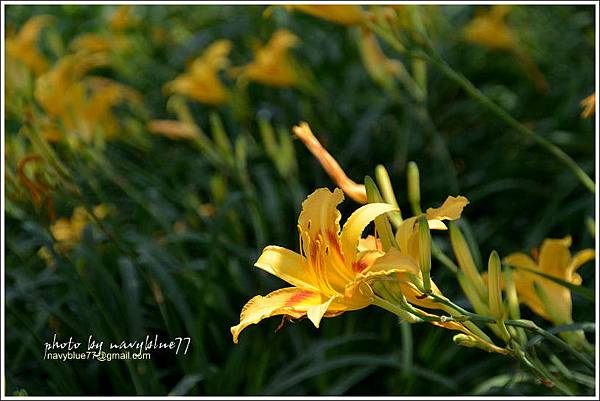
(551, 301)
(489, 29)
(22, 46)
(382, 69)
(339, 14)
(121, 18)
(330, 275)
(273, 65)
(356, 191)
(23, 62)
(67, 231)
(81, 105)
(589, 106)
(200, 81)
(407, 235)
(61, 88)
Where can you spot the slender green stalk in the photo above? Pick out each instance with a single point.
(485, 101)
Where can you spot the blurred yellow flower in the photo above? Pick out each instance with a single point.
(23, 62)
(81, 106)
(200, 81)
(97, 43)
(272, 63)
(489, 29)
(111, 41)
(22, 46)
(382, 69)
(121, 18)
(545, 297)
(589, 106)
(330, 275)
(355, 191)
(339, 14)
(67, 231)
(173, 129)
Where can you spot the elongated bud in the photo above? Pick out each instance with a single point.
(241, 153)
(465, 340)
(494, 286)
(218, 188)
(390, 303)
(329, 164)
(591, 226)
(414, 187)
(267, 135)
(473, 342)
(281, 152)
(286, 155)
(425, 252)
(219, 135)
(382, 223)
(385, 184)
(381, 69)
(466, 263)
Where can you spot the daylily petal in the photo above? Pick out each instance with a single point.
(320, 215)
(451, 209)
(578, 260)
(365, 259)
(286, 301)
(524, 281)
(559, 307)
(555, 256)
(273, 65)
(340, 14)
(393, 261)
(316, 313)
(576, 279)
(288, 266)
(356, 224)
(369, 243)
(520, 260)
(435, 224)
(404, 232)
(320, 230)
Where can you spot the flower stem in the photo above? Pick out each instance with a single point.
(436, 61)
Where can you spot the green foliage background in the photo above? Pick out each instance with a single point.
(141, 275)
